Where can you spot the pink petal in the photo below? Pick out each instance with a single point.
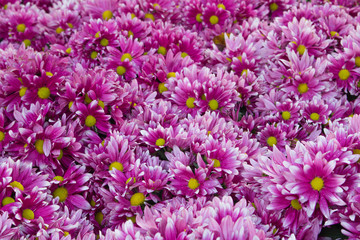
(80, 202)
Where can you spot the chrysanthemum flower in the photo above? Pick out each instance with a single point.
(213, 15)
(272, 136)
(157, 138)
(316, 112)
(132, 26)
(70, 187)
(101, 9)
(93, 115)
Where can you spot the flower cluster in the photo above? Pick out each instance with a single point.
(191, 119)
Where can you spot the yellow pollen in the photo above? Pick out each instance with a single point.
(7, 200)
(70, 104)
(286, 115)
(317, 183)
(97, 35)
(39, 146)
(344, 74)
(198, 17)
(274, 7)
(44, 93)
(5, 6)
(66, 234)
(314, 116)
(214, 19)
(116, 165)
(126, 56)
(190, 102)
(27, 42)
(21, 27)
(130, 33)
(120, 70)
(162, 50)
(90, 121)
(2, 136)
(70, 25)
(334, 33)
(303, 88)
(101, 104)
(184, 54)
(28, 214)
(68, 50)
(160, 142)
(99, 216)
(171, 74)
(271, 141)
(193, 183)
(229, 59)
(16, 184)
(104, 42)
(129, 180)
(92, 203)
(356, 151)
(107, 15)
(301, 49)
(149, 16)
(216, 162)
(162, 88)
(213, 104)
(49, 74)
(62, 193)
(133, 15)
(156, 5)
(295, 204)
(93, 54)
(58, 178)
(87, 99)
(220, 5)
(137, 199)
(357, 61)
(59, 30)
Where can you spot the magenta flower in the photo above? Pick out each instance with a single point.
(93, 115)
(213, 15)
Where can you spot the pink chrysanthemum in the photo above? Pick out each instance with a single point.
(93, 115)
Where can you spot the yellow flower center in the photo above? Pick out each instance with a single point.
(156, 5)
(271, 141)
(116, 165)
(99, 217)
(184, 54)
(286, 115)
(21, 27)
(193, 183)
(97, 34)
(90, 121)
(120, 70)
(344, 74)
(133, 219)
(87, 99)
(130, 33)
(58, 178)
(357, 61)
(39, 146)
(274, 7)
(317, 183)
(162, 50)
(216, 162)
(137, 199)
(303, 88)
(28, 214)
(22, 91)
(70, 104)
(220, 5)
(107, 15)
(126, 56)
(295, 204)
(68, 50)
(49, 74)
(160, 142)
(198, 17)
(7, 200)
(104, 42)
(2, 136)
(70, 25)
(334, 33)
(101, 104)
(66, 234)
(214, 19)
(314, 116)
(59, 30)
(301, 49)
(190, 102)
(149, 16)
(213, 104)
(27, 42)
(171, 74)
(16, 184)
(93, 54)
(62, 193)
(44, 93)
(162, 88)
(356, 151)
